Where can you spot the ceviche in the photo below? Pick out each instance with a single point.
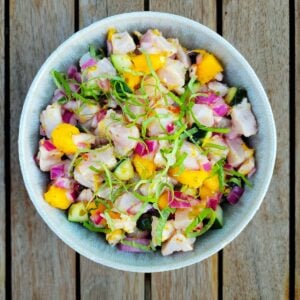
(144, 142)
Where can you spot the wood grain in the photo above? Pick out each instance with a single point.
(99, 282)
(256, 264)
(42, 266)
(198, 281)
(2, 157)
(297, 162)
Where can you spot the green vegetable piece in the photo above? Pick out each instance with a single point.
(91, 227)
(189, 191)
(230, 94)
(219, 221)
(121, 62)
(206, 213)
(198, 135)
(144, 222)
(238, 96)
(78, 213)
(124, 171)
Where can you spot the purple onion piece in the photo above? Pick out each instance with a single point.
(126, 248)
(235, 194)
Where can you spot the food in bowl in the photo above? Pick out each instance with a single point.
(146, 142)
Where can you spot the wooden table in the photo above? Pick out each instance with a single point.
(263, 262)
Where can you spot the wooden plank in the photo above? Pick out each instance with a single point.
(42, 266)
(99, 282)
(198, 281)
(256, 264)
(2, 157)
(297, 162)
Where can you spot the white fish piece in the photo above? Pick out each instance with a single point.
(48, 159)
(172, 74)
(86, 112)
(164, 117)
(50, 118)
(181, 54)
(166, 233)
(85, 195)
(159, 160)
(183, 218)
(243, 119)
(178, 242)
(87, 177)
(194, 159)
(153, 89)
(237, 151)
(121, 136)
(83, 172)
(128, 203)
(153, 42)
(218, 88)
(83, 140)
(102, 67)
(247, 166)
(204, 114)
(215, 154)
(122, 43)
(126, 222)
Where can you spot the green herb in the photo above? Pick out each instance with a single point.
(91, 227)
(206, 213)
(164, 215)
(240, 175)
(61, 82)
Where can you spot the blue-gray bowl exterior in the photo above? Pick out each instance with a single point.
(238, 72)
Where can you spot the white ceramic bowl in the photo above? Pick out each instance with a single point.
(237, 71)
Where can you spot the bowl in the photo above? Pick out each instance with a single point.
(237, 72)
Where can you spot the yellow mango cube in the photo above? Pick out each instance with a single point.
(62, 137)
(140, 62)
(57, 197)
(208, 68)
(191, 178)
(145, 167)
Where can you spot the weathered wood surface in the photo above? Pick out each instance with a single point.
(99, 282)
(42, 266)
(199, 281)
(256, 264)
(297, 161)
(2, 157)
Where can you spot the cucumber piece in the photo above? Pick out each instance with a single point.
(235, 95)
(189, 191)
(78, 213)
(219, 221)
(230, 94)
(124, 170)
(121, 62)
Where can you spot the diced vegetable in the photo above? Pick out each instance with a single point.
(140, 62)
(121, 62)
(235, 95)
(191, 178)
(145, 167)
(62, 137)
(57, 197)
(124, 170)
(219, 221)
(208, 68)
(144, 222)
(78, 212)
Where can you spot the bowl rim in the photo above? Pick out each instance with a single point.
(178, 263)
